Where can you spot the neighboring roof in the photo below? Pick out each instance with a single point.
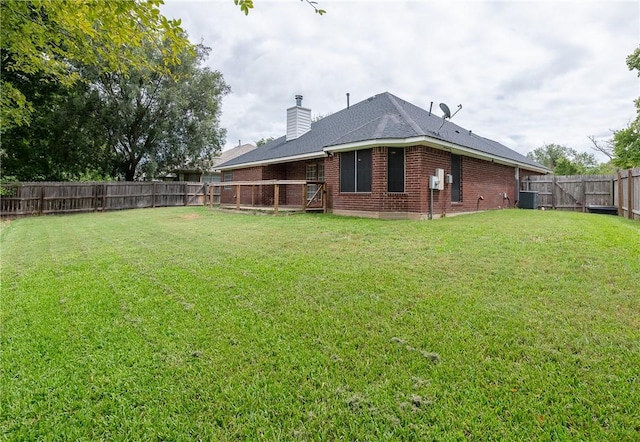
(224, 157)
(234, 152)
(379, 120)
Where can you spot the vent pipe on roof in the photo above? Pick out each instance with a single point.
(430, 107)
(298, 120)
(347, 100)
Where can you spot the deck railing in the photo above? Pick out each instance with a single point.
(251, 195)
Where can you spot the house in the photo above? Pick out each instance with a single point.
(376, 159)
(209, 176)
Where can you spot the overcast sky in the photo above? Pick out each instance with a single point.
(526, 73)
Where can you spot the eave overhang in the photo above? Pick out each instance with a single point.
(436, 144)
(392, 142)
(289, 159)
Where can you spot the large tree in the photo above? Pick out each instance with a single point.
(48, 38)
(160, 121)
(64, 141)
(626, 146)
(626, 142)
(564, 160)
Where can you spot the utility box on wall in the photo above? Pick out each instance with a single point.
(434, 183)
(440, 176)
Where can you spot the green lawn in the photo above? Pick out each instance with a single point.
(187, 324)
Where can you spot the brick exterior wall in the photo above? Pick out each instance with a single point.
(264, 195)
(477, 178)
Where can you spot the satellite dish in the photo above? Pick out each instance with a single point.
(445, 109)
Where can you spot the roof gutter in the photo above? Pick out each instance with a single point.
(289, 159)
(436, 144)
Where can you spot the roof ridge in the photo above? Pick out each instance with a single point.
(405, 115)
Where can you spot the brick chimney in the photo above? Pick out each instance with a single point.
(298, 120)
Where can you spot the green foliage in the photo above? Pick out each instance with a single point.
(633, 60)
(118, 125)
(626, 146)
(49, 38)
(607, 168)
(157, 122)
(626, 142)
(246, 5)
(188, 324)
(65, 141)
(565, 160)
(263, 141)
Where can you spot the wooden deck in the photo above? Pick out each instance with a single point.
(317, 202)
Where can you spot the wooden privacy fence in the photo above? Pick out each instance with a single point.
(580, 192)
(627, 193)
(21, 199)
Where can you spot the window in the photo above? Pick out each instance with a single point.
(456, 172)
(314, 172)
(228, 176)
(395, 169)
(355, 171)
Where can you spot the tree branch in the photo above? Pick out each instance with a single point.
(608, 151)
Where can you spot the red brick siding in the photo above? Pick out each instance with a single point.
(478, 177)
(332, 178)
(228, 196)
(486, 179)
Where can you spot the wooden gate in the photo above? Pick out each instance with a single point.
(571, 192)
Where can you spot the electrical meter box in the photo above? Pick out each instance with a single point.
(449, 178)
(434, 183)
(440, 174)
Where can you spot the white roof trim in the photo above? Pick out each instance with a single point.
(306, 156)
(436, 144)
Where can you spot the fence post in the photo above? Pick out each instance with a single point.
(41, 209)
(276, 198)
(95, 196)
(186, 193)
(238, 197)
(630, 194)
(153, 195)
(324, 197)
(304, 196)
(613, 190)
(620, 210)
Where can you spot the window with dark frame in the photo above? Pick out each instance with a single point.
(395, 170)
(456, 173)
(355, 171)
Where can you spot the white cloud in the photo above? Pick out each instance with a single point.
(526, 73)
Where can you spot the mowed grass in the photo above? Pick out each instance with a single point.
(190, 324)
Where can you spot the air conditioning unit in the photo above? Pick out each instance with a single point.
(528, 200)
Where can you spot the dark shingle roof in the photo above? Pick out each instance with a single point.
(383, 116)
